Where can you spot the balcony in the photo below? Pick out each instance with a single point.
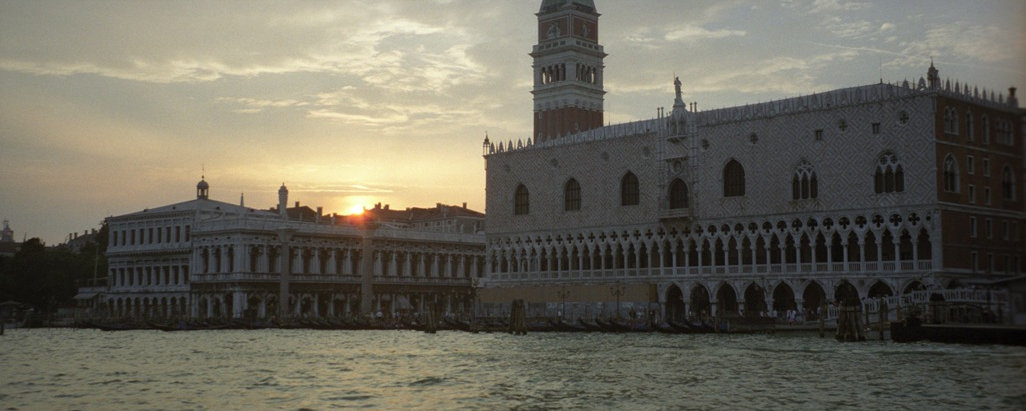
(674, 214)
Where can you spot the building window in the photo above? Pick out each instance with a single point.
(876, 128)
(572, 196)
(970, 165)
(521, 201)
(985, 132)
(972, 194)
(1004, 132)
(819, 135)
(986, 195)
(988, 228)
(889, 178)
(972, 227)
(986, 167)
(1004, 230)
(1008, 183)
(678, 194)
(974, 261)
(950, 121)
(629, 190)
(902, 117)
(803, 184)
(733, 179)
(969, 126)
(950, 174)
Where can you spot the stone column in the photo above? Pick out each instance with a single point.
(347, 262)
(239, 304)
(332, 264)
(315, 264)
(367, 262)
(284, 235)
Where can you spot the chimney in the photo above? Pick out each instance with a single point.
(297, 204)
(1012, 101)
(386, 206)
(464, 205)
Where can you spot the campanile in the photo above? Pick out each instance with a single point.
(568, 91)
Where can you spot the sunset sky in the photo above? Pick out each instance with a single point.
(110, 107)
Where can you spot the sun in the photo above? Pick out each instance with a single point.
(355, 209)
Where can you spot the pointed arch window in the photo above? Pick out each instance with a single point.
(678, 194)
(950, 120)
(1008, 183)
(985, 129)
(629, 190)
(572, 196)
(890, 177)
(951, 174)
(521, 201)
(969, 126)
(804, 185)
(733, 179)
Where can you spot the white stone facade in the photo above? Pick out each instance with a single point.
(868, 230)
(209, 259)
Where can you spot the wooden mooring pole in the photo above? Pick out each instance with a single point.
(883, 318)
(822, 320)
(517, 318)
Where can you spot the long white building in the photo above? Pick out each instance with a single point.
(209, 259)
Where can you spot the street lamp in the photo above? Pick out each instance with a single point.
(617, 291)
(562, 293)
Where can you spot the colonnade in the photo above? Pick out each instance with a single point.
(267, 258)
(161, 306)
(165, 273)
(851, 241)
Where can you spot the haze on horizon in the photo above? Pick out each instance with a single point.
(110, 107)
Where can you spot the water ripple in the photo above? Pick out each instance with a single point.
(298, 369)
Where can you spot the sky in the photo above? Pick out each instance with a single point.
(111, 107)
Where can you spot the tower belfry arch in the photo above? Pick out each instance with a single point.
(568, 66)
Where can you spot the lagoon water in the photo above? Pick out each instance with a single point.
(312, 369)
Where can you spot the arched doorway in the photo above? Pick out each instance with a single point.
(675, 310)
(913, 287)
(783, 298)
(755, 301)
(880, 290)
(252, 308)
(846, 294)
(726, 301)
(813, 298)
(700, 301)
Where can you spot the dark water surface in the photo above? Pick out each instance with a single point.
(311, 369)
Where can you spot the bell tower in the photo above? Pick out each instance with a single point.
(568, 93)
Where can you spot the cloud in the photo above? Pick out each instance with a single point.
(252, 105)
(831, 6)
(695, 33)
